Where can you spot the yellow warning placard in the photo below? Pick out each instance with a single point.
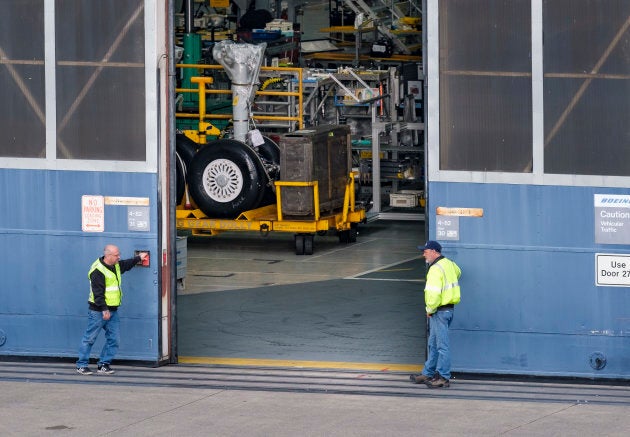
(126, 201)
(220, 3)
(462, 212)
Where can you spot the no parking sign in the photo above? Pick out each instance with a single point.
(92, 213)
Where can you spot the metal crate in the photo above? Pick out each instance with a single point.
(321, 154)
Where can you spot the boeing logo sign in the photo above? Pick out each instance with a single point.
(620, 201)
(612, 218)
(609, 200)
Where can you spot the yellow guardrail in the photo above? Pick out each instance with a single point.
(314, 184)
(299, 94)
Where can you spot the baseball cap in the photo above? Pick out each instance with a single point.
(434, 245)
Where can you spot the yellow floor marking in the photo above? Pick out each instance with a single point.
(383, 367)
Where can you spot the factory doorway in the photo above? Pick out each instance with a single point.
(248, 299)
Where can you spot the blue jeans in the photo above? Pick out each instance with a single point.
(112, 338)
(439, 359)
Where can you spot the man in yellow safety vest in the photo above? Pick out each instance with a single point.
(105, 298)
(441, 293)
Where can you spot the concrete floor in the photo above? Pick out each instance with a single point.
(50, 398)
(250, 297)
(238, 260)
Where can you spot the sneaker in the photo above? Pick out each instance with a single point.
(84, 370)
(419, 379)
(437, 382)
(104, 368)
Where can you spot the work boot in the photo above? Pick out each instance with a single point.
(437, 382)
(419, 379)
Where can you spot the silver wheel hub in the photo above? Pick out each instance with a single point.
(222, 180)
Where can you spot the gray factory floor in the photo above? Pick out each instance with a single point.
(249, 297)
(50, 398)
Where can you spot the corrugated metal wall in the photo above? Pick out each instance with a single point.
(528, 111)
(78, 119)
(529, 301)
(47, 257)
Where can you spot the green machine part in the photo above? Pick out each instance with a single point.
(192, 55)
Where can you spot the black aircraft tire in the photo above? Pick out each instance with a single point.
(226, 178)
(186, 148)
(269, 151)
(180, 180)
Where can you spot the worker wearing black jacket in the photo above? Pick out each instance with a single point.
(105, 298)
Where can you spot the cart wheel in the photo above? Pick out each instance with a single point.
(308, 245)
(225, 178)
(299, 244)
(344, 237)
(352, 233)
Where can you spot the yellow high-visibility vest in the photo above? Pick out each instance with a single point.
(113, 291)
(442, 285)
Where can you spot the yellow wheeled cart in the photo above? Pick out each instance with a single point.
(271, 219)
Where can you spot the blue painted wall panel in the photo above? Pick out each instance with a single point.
(529, 300)
(45, 291)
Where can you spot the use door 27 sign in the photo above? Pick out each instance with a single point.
(612, 270)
